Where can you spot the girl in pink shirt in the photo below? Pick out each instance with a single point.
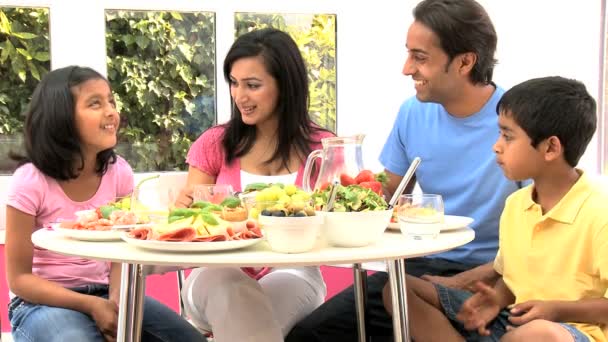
(70, 165)
(268, 137)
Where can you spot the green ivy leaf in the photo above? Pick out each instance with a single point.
(24, 53)
(177, 16)
(3, 51)
(186, 51)
(22, 75)
(24, 35)
(42, 56)
(9, 49)
(5, 25)
(33, 70)
(142, 41)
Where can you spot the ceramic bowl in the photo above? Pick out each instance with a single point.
(354, 229)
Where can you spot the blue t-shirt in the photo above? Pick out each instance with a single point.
(458, 162)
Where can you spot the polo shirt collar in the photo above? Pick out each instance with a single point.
(568, 207)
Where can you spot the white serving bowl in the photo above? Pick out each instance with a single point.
(291, 234)
(354, 229)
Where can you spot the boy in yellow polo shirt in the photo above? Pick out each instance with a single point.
(553, 246)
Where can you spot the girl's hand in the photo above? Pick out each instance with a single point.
(525, 312)
(105, 314)
(480, 309)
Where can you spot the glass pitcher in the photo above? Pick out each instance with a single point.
(340, 155)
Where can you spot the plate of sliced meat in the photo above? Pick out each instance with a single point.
(67, 229)
(188, 240)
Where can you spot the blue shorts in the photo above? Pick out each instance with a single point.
(452, 299)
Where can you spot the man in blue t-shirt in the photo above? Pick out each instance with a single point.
(451, 125)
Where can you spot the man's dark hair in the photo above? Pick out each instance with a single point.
(462, 26)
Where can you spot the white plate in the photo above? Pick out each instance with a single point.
(452, 222)
(88, 235)
(170, 246)
(131, 226)
(116, 226)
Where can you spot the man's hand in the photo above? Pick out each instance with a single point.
(525, 312)
(105, 314)
(480, 309)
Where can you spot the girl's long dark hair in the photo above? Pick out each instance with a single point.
(52, 142)
(285, 64)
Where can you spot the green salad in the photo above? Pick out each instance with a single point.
(350, 198)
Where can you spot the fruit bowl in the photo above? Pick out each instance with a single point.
(354, 229)
(291, 234)
(289, 227)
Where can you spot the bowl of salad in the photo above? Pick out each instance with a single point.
(358, 218)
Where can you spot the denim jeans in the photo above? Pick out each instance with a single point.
(335, 320)
(452, 299)
(33, 322)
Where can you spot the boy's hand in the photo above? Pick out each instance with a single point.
(105, 314)
(525, 312)
(480, 309)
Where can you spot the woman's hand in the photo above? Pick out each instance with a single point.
(105, 314)
(184, 198)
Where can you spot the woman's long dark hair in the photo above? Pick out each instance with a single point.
(285, 64)
(52, 141)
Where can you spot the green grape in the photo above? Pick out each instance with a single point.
(290, 189)
(125, 203)
(273, 194)
(305, 196)
(254, 213)
(260, 196)
(297, 197)
(284, 199)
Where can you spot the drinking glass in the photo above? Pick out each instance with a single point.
(146, 204)
(421, 216)
(214, 193)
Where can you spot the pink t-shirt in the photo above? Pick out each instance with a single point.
(207, 154)
(36, 194)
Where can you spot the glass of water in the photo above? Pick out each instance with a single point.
(420, 215)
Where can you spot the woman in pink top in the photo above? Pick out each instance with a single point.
(70, 165)
(268, 137)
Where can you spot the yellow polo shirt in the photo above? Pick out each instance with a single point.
(562, 255)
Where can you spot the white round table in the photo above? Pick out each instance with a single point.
(393, 248)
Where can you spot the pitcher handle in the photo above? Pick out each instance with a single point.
(310, 161)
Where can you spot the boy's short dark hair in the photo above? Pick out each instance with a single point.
(553, 106)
